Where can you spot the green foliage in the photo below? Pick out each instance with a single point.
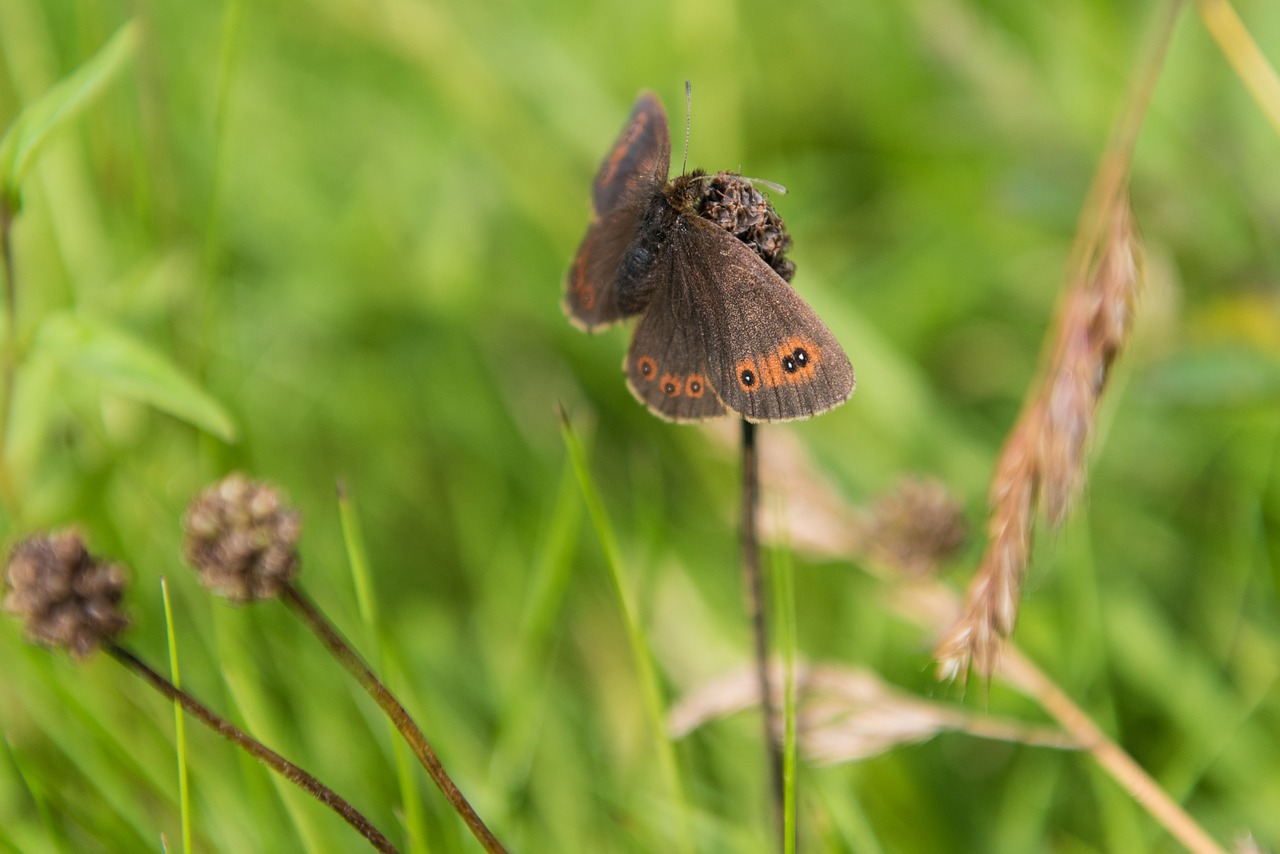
(326, 240)
(31, 128)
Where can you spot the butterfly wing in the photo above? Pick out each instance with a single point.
(666, 365)
(768, 354)
(629, 177)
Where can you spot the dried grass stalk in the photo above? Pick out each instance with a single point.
(847, 714)
(1042, 464)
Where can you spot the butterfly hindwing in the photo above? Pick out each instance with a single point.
(666, 365)
(633, 172)
(768, 355)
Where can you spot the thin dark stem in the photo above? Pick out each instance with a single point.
(257, 749)
(753, 582)
(355, 665)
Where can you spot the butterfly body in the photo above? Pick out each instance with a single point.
(720, 330)
(659, 226)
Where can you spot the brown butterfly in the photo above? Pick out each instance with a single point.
(719, 328)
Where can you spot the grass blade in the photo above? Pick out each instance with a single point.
(34, 125)
(784, 596)
(643, 656)
(358, 558)
(1248, 60)
(179, 721)
(131, 369)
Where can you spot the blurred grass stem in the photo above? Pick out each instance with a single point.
(255, 748)
(1018, 671)
(784, 597)
(408, 728)
(179, 721)
(358, 560)
(1248, 60)
(650, 689)
(9, 353)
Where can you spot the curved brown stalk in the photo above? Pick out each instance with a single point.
(355, 665)
(255, 748)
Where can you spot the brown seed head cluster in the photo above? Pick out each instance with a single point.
(241, 539)
(68, 598)
(916, 527)
(1043, 461)
(733, 203)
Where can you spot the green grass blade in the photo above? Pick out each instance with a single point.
(55, 837)
(250, 696)
(132, 369)
(179, 721)
(358, 559)
(525, 693)
(1246, 58)
(785, 609)
(34, 125)
(645, 671)
(552, 569)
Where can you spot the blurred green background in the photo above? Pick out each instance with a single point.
(348, 221)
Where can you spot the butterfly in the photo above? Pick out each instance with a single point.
(719, 329)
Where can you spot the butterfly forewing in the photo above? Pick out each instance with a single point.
(637, 164)
(635, 170)
(768, 355)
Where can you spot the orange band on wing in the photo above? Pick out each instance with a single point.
(792, 362)
(610, 167)
(583, 288)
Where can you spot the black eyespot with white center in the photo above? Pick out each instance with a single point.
(748, 378)
(801, 356)
(789, 364)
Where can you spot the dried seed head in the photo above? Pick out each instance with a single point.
(68, 598)
(916, 527)
(242, 539)
(1043, 463)
(733, 203)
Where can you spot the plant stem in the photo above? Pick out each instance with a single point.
(753, 584)
(9, 353)
(1248, 60)
(179, 721)
(646, 671)
(255, 748)
(1019, 672)
(355, 665)
(1112, 176)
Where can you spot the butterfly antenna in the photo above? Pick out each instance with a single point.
(772, 185)
(688, 122)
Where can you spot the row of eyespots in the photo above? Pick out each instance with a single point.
(692, 385)
(793, 361)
